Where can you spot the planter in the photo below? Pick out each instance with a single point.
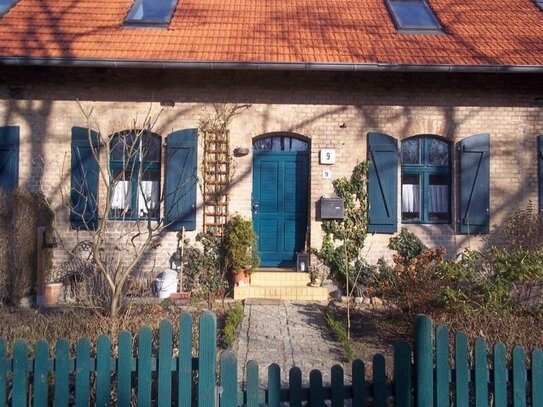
(240, 278)
(51, 293)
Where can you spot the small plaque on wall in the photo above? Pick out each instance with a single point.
(327, 156)
(326, 174)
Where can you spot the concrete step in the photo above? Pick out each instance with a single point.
(294, 293)
(279, 279)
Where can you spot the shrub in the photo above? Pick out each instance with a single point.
(203, 267)
(21, 212)
(407, 244)
(233, 321)
(340, 332)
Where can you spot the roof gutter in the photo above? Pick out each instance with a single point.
(264, 66)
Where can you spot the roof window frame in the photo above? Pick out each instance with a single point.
(8, 8)
(414, 29)
(129, 20)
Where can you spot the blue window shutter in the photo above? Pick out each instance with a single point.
(475, 184)
(9, 157)
(181, 179)
(84, 180)
(382, 183)
(540, 170)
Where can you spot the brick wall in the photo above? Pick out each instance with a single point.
(331, 110)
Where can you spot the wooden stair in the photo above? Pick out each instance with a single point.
(282, 285)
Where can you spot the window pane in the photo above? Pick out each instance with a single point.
(124, 147)
(151, 11)
(410, 197)
(262, 144)
(280, 143)
(122, 194)
(149, 194)
(438, 152)
(438, 199)
(411, 151)
(151, 148)
(413, 14)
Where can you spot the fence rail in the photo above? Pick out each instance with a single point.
(421, 375)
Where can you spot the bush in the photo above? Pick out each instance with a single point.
(233, 321)
(407, 244)
(21, 212)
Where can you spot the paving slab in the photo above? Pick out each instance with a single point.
(289, 334)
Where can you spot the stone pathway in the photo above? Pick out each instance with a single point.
(289, 334)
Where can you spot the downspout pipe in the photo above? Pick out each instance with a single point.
(267, 66)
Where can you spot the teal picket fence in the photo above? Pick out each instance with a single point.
(143, 374)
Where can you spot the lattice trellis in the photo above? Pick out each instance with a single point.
(216, 168)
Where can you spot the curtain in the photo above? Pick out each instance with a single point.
(148, 196)
(410, 198)
(121, 196)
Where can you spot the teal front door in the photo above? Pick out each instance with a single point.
(280, 188)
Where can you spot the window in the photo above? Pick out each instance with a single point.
(150, 12)
(5, 5)
(280, 143)
(135, 167)
(413, 15)
(425, 180)
(9, 157)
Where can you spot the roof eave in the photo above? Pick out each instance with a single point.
(289, 66)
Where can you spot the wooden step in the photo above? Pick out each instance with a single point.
(292, 293)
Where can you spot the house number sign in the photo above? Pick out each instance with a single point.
(327, 156)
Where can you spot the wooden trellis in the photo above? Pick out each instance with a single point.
(216, 167)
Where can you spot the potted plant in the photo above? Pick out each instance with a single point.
(239, 244)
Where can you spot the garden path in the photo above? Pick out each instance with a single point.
(289, 334)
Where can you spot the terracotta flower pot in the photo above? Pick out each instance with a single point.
(51, 293)
(240, 277)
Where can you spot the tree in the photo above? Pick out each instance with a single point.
(124, 221)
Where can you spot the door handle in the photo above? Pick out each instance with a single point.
(255, 207)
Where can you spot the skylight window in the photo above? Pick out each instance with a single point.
(150, 12)
(5, 5)
(413, 15)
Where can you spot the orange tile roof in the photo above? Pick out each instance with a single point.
(477, 32)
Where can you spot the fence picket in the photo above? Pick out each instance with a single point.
(103, 377)
(207, 351)
(380, 390)
(442, 366)
(165, 363)
(402, 373)
(519, 377)
(252, 380)
(537, 377)
(185, 360)
(229, 382)
(500, 375)
(144, 366)
(481, 373)
(424, 361)
(62, 373)
(359, 383)
(462, 369)
(316, 397)
(124, 369)
(82, 372)
(41, 375)
(295, 387)
(274, 385)
(20, 367)
(338, 386)
(3, 371)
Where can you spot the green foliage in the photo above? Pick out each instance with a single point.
(343, 240)
(487, 280)
(233, 321)
(239, 244)
(340, 332)
(203, 267)
(407, 244)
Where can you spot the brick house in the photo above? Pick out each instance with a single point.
(446, 100)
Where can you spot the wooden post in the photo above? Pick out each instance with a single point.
(40, 265)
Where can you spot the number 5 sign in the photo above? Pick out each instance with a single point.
(327, 156)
